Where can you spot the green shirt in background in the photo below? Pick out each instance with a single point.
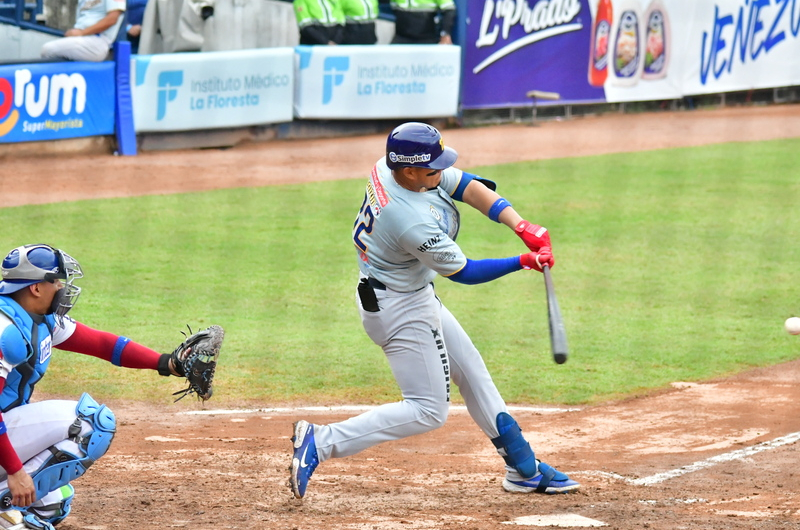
(324, 12)
(360, 10)
(423, 5)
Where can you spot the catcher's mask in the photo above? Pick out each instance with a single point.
(415, 144)
(30, 264)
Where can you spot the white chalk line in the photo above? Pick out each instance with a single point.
(359, 408)
(702, 464)
(562, 520)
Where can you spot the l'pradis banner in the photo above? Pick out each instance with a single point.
(397, 81)
(184, 91)
(53, 101)
(626, 50)
(514, 47)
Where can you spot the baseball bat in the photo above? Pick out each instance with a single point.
(558, 335)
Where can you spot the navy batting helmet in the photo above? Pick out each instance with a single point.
(416, 144)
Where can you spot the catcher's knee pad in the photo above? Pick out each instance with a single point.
(64, 466)
(104, 425)
(513, 447)
(55, 506)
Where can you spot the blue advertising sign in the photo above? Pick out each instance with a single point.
(52, 101)
(515, 47)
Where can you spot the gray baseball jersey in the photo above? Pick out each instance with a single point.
(405, 238)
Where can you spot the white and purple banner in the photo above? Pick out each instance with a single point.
(513, 47)
(626, 50)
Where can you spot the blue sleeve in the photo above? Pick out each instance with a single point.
(466, 178)
(116, 355)
(485, 270)
(135, 9)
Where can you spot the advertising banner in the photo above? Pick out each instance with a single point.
(626, 50)
(513, 47)
(741, 44)
(647, 52)
(53, 101)
(397, 81)
(676, 48)
(184, 91)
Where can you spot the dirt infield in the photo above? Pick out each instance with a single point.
(169, 469)
(716, 455)
(68, 178)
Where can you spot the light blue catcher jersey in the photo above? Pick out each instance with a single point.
(25, 350)
(405, 238)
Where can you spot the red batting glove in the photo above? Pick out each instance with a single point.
(537, 260)
(534, 236)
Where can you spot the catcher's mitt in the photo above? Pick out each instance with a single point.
(196, 360)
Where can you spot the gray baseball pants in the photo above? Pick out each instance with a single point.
(426, 347)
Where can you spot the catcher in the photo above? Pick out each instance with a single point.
(45, 445)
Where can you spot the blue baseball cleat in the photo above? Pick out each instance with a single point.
(547, 481)
(304, 460)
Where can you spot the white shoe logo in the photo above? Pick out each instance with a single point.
(303, 459)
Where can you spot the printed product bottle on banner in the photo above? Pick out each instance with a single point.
(626, 54)
(601, 35)
(658, 41)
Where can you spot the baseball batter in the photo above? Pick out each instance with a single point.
(45, 445)
(405, 235)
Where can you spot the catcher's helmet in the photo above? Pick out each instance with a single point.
(416, 144)
(31, 264)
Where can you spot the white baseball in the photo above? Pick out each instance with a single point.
(793, 325)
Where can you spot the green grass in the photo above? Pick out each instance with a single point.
(670, 265)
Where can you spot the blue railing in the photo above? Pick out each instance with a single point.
(25, 14)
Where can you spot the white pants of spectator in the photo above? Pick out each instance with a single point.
(89, 48)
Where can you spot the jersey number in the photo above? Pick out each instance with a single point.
(367, 219)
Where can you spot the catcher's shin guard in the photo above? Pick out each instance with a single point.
(64, 466)
(513, 447)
